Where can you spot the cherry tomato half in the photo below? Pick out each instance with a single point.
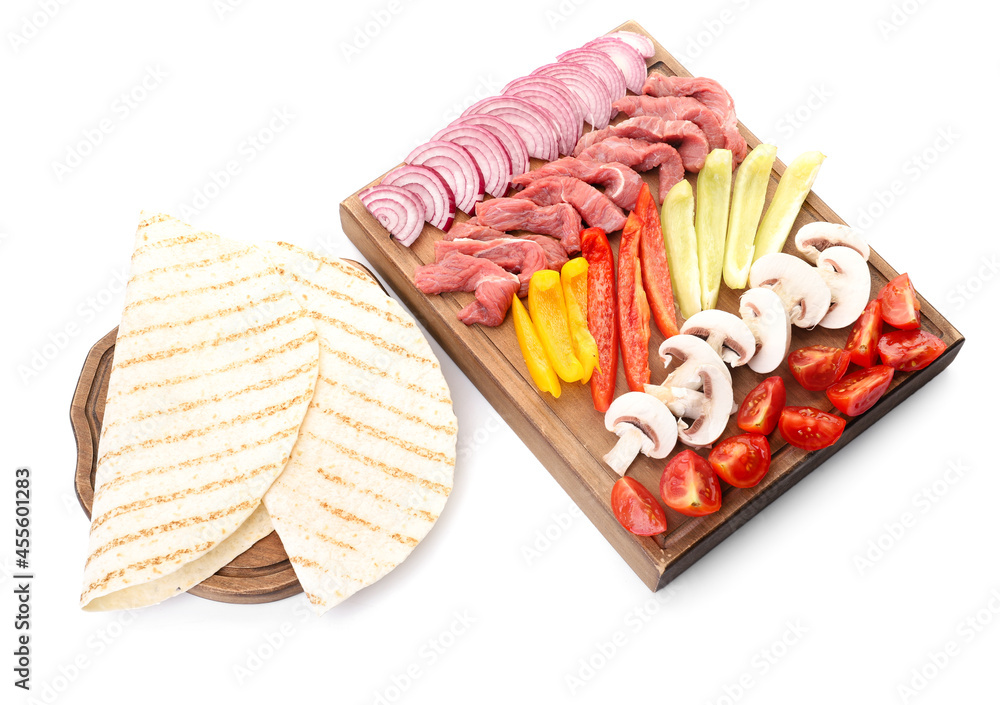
(689, 485)
(863, 341)
(761, 408)
(818, 366)
(909, 350)
(636, 508)
(900, 306)
(808, 428)
(857, 392)
(741, 460)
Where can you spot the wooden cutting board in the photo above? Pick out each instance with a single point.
(263, 573)
(567, 435)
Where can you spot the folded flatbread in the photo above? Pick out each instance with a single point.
(215, 366)
(374, 460)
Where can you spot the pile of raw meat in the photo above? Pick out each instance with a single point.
(672, 124)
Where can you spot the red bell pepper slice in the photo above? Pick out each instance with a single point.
(655, 270)
(601, 316)
(633, 308)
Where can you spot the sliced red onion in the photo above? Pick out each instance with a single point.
(602, 65)
(456, 166)
(577, 104)
(487, 150)
(506, 133)
(640, 42)
(558, 100)
(398, 210)
(432, 191)
(587, 86)
(536, 125)
(626, 58)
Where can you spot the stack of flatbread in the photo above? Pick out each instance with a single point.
(259, 388)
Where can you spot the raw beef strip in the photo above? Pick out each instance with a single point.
(711, 94)
(638, 154)
(670, 173)
(592, 205)
(472, 229)
(704, 90)
(672, 108)
(555, 255)
(494, 288)
(684, 135)
(621, 184)
(521, 257)
(561, 220)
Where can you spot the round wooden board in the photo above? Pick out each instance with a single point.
(261, 574)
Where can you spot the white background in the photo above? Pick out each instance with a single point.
(886, 79)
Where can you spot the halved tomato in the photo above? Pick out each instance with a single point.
(818, 366)
(909, 350)
(741, 460)
(900, 306)
(808, 428)
(636, 508)
(857, 392)
(689, 485)
(761, 408)
(863, 341)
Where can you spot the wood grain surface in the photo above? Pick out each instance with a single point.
(263, 573)
(567, 435)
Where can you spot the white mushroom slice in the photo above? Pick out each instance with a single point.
(725, 333)
(709, 411)
(643, 424)
(802, 290)
(815, 238)
(765, 315)
(681, 401)
(850, 281)
(690, 352)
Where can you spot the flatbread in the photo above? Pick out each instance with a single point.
(375, 458)
(215, 366)
(257, 526)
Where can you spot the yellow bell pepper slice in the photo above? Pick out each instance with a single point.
(548, 311)
(535, 358)
(574, 284)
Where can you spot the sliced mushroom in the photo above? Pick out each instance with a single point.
(765, 315)
(709, 409)
(815, 238)
(690, 352)
(643, 424)
(681, 401)
(725, 333)
(802, 290)
(850, 281)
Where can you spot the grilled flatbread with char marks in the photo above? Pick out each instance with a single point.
(215, 366)
(374, 461)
